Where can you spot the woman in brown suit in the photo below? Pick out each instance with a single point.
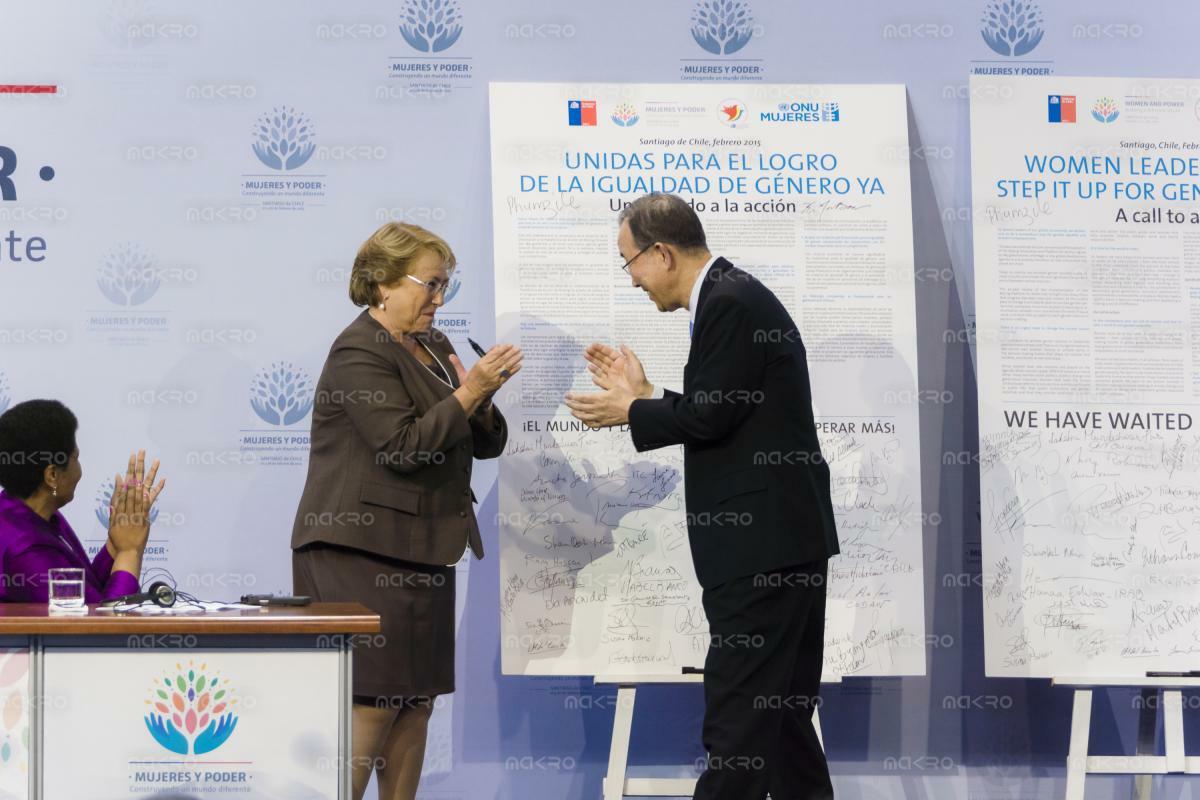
(387, 506)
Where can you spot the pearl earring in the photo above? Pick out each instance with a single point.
(54, 491)
(382, 305)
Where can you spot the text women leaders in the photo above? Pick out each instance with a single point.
(386, 510)
(39, 469)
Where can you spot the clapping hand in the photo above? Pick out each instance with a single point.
(609, 366)
(491, 371)
(132, 500)
(620, 376)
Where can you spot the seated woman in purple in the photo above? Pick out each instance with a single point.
(39, 469)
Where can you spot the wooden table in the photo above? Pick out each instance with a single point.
(34, 619)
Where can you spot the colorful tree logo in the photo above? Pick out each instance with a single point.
(104, 504)
(431, 26)
(190, 712)
(127, 275)
(1012, 27)
(14, 708)
(1105, 110)
(284, 139)
(281, 394)
(625, 115)
(722, 27)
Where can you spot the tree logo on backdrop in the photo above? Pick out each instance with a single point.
(284, 138)
(1105, 110)
(127, 275)
(190, 712)
(431, 26)
(722, 27)
(5, 398)
(122, 19)
(281, 394)
(452, 289)
(1012, 27)
(104, 501)
(625, 115)
(136, 23)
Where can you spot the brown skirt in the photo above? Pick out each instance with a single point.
(412, 656)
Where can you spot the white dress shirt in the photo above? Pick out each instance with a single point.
(693, 302)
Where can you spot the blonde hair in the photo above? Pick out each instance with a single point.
(387, 256)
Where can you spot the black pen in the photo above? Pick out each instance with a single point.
(479, 351)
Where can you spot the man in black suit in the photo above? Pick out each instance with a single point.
(760, 518)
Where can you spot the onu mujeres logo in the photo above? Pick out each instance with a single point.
(431, 26)
(284, 138)
(191, 712)
(281, 394)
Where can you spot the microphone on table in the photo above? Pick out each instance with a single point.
(159, 593)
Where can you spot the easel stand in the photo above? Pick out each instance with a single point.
(616, 785)
(1144, 765)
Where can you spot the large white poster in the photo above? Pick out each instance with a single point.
(807, 188)
(190, 723)
(1087, 259)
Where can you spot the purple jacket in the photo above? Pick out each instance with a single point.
(30, 546)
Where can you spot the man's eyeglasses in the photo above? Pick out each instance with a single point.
(625, 266)
(434, 287)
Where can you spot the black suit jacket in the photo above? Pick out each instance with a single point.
(389, 469)
(757, 488)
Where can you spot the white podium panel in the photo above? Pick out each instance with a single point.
(15, 712)
(124, 723)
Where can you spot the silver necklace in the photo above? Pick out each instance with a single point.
(439, 363)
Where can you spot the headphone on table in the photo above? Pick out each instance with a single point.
(159, 593)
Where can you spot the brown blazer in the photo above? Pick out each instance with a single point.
(389, 469)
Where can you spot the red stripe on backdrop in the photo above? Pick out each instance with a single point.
(28, 88)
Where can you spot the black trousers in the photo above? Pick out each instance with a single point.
(762, 679)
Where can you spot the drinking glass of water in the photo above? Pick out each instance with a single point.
(66, 590)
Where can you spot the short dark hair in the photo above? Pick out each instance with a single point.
(34, 435)
(665, 218)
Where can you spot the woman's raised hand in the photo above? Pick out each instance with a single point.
(133, 498)
(493, 369)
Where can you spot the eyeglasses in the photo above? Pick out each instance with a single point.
(434, 287)
(625, 266)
